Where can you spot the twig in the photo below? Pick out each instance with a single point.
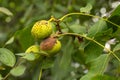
(18, 62)
(57, 23)
(85, 14)
(6, 76)
(91, 39)
(58, 26)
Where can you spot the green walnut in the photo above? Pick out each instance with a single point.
(34, 49)
(50, 45)
(41, 29)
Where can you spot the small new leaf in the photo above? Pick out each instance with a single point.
(87, 8)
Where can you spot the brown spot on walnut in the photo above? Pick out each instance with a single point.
(48, 44)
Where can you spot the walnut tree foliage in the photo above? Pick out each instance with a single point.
(89, 32)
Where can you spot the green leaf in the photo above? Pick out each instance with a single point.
(29, 56)
(47, 64)
(98, 67)
(116, 65)
(36, 72)
(92, 51)
(104, 77)
(5, 11)
(115, 18)
(87, 8)
(18, 71)
(116, 34)
(88, 76)
(97, 28)
(99, 64)
(116, 12)
(116, 48)
(24, 37)
(77, 28)
(7, 57)
(67, 52)
(62, 63)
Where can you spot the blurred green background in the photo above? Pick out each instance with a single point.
(17, 15)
